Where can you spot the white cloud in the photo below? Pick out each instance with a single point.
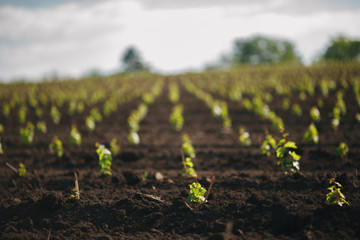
(74, 37)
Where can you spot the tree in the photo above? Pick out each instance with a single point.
(259, 49)
(342, 48)
(132, 60)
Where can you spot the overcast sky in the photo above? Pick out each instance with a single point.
(71, 37)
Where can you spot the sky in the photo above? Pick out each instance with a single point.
(70, 38)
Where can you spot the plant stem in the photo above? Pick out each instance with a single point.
(208, 193)
(77, 186)
(183, 161)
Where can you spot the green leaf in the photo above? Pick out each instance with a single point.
(280, 152)
(295, 156)
(290, 145)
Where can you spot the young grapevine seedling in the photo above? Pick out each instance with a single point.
(197, 192)
(95, 113)
(134, 137)
(315, 114)
(27, 133)
(288, 159)
(22, 170)
(268, 144)
(311, 134)
(187, 146)
(75, 136)
(1, 148)
(335, 195)
(41, 127)
(342, 150)
(56, 147)
(296, 110)
(55, 114)
(176, 117)
(114, 147)
(105, 159)
(188, 169)
(76, 190)
(244, 137)
(90, 123)
(22, 114)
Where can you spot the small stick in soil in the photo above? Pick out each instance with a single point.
(76, 189)
(48, 237)
(12, 167)
(355, 179)
(183, 161)
(208, 192)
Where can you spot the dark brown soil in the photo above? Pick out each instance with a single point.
(251, 197)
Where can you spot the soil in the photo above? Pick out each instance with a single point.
(250, 199)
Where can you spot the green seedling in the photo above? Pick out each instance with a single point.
(226, 122)
(22, 170)
(197, 193)
(176, 117)
(288, 159)
(55, 114)
(115, 147)
(72, 108)
(133, 137)
(105, 159)
(286, 104)
(75, 136)
(357, 117)
(38, 112)
(148, 98)
(320, 103)
(335, 195)
(296, 110)
(275, 120)
(6, 110)
(268, 144)
(41, 127)
(342, 150)
(340, 103)
(27, 133)
(80, 107)
(216, 109)
(1, 128)
(187, 146)
(1, 148)
(145, 175)
(56, 147)
(315, 114)
(94, 112)
(311, 134)
(188, 169)
(174, 93)
(76, 189)
(244, 137)
(247, 104)
(90, 123)
(22, 114)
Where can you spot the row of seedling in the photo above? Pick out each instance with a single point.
(139, 114)
(218, 108)
(176, 118)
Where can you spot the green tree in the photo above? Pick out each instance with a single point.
(342, 48)
(259, 49)
(131, 60)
